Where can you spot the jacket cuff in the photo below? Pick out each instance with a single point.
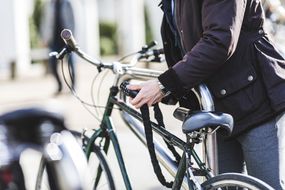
(172, 83)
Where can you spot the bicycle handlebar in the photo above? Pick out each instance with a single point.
(201, 91)
(68, 38)
(117, 67)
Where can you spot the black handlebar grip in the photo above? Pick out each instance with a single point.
(68, 38)
(128, 92)
(158, 51)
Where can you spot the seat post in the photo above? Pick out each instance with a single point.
(207, 104)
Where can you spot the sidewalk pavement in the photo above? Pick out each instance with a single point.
(37, 89)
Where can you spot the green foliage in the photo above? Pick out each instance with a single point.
(34, 36)
(148, 32)
(34, 24)
(37, 14)
(108, 38)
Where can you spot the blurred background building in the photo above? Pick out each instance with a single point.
(104, 27)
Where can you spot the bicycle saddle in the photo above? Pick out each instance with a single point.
(23, 124)
(193, 121)
(30, 116)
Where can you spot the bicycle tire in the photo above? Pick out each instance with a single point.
(101, 161)
(235, 181)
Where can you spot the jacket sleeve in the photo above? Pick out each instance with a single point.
(221, 22)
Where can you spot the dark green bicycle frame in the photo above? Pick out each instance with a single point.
(106, 131)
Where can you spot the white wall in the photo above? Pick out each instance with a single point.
(129, 15)
(131, 26)
(14, 36)
(22, 37)
(107, 10)
(7, 39)
(155, 18)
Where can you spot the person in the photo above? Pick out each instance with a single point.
(222, 43)
(58, 15)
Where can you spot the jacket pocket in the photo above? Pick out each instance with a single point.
(229, 86)
(236, 87)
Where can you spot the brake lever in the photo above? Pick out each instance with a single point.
(59, 55)
(147, 47)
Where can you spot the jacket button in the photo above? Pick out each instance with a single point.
(250, 78)
(223, 92)
(260, 31)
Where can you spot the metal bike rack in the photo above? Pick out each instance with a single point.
(207, 104)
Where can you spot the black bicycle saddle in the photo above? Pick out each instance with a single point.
(193, 121)
(24, 124)
(31, 117)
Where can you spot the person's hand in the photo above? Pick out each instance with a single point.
(149, 93)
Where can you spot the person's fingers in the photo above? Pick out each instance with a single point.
(137, 103)
(155, 100)
(137, 99)
(141, 99)
(134, 87)
(149, 93)
(151, 101)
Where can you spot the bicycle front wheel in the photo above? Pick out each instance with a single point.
(99, 170)
(235, 181)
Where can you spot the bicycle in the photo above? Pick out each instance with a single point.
(44, 131)
(196, 126)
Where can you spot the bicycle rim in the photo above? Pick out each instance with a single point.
(235, 181)
(99, 170)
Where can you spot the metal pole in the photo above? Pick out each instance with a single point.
(207, 104)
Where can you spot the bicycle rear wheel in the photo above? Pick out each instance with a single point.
(235, 181)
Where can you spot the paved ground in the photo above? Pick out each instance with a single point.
(36, 89)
